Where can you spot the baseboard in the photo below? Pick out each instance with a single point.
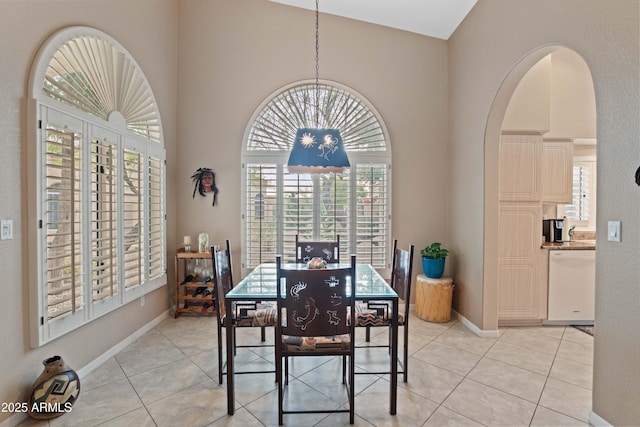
(597, 421)
(91, 366)
(19, 417)
(479, 332)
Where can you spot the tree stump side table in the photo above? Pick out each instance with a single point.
(433, 298)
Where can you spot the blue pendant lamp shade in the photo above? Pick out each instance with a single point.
(318, 151)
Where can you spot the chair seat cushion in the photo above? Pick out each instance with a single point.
(258, 317)
(316, 344)
(377, 317)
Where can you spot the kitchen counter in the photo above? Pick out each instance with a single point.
(573, 245)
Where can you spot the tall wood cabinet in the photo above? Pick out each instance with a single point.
(532, 171)
(519, 291)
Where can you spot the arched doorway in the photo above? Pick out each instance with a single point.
(546, 112)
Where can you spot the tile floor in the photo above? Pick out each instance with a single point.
(539, 376)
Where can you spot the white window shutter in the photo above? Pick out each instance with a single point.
(104, 220)
(65, 273)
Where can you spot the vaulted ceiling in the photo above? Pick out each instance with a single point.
(435, 18)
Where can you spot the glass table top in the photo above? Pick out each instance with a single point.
(261, 282)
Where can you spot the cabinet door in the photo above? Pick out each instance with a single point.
(519, 290)
(519, 167)
(557, 171)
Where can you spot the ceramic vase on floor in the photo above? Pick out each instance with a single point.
(55, 391)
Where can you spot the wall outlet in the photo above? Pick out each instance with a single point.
(6, 229)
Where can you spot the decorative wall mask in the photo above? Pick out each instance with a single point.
(204, 181)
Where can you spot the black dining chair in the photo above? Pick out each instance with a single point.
(327, 250)
(245, 314)
(379, 313)
(315, 307)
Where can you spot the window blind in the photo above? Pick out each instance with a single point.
(104, 226)
(371, 213)
(133, 219)
(261, 214)
(156, 217)
(64, 217)
(579, 209)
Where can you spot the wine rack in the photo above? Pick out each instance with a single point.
(194, 283)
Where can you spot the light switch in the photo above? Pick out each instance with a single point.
(6, 229)
(613, 231)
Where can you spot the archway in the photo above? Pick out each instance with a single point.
(495, 125)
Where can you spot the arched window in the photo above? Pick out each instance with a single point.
(97, 200)
(354, 204)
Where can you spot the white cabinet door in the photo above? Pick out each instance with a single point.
(519, 175)
(519, 290)
(557, 171)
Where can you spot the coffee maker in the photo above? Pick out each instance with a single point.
(552, 229)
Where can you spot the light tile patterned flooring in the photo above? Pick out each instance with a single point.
(529, 376)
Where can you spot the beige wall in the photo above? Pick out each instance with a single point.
(555, 95)
(530, 105)
(147, 29)
(573, 104)
(233, 54)
(488, 55)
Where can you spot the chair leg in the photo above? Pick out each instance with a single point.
(262, 334)
(280, 384)
(219, 354)
(406, 352)
(275, 343)
(344, 369)
(286, 370)
(352, 393)
(368, 334)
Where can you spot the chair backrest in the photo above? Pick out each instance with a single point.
(402, 271)
(222, 276)
(327, 250)
(316, 302)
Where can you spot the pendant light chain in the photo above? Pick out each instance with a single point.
(317, 66)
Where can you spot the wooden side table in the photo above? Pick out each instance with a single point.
(433, 298)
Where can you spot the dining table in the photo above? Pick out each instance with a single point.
(260, 285)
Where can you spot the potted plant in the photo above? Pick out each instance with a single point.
(433, 257)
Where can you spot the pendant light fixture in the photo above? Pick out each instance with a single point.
(317, 150)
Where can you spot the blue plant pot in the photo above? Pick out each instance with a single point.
(433, 267)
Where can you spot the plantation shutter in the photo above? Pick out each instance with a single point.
(298, 211)
(371, 214)
(156, 217)
(133, 220)
(335, 210)
(63, 217)
(579, 209)
(104, 225)
(261, 215)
